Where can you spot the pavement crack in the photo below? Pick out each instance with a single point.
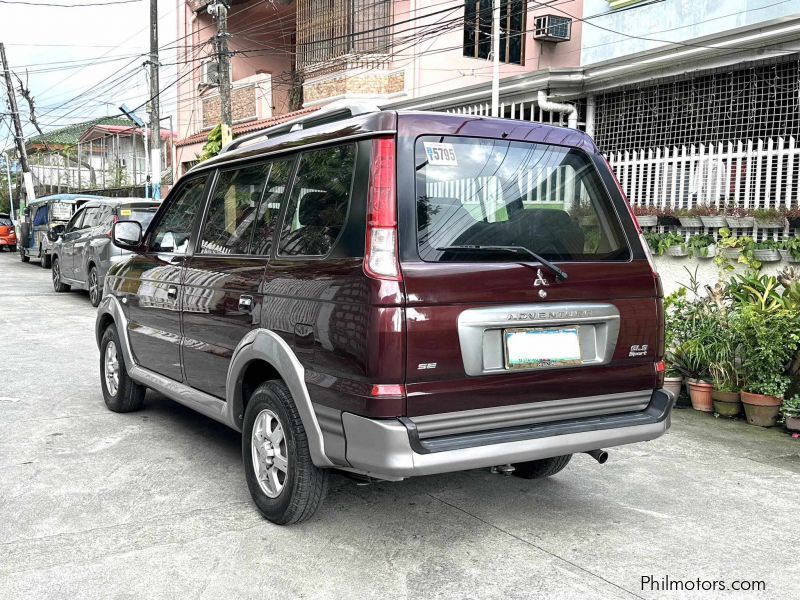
(532, 545)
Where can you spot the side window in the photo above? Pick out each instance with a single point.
(76, 221)
(279, 174)
(319, 201)
(231, 214)
(106, 218)
(40, 218)
(92, 217)
(174, 228)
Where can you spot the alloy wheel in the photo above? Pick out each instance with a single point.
(111, 368)
(270, 460)
(93, 287)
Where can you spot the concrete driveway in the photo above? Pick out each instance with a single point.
(154, 504)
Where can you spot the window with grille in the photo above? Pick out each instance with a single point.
(329, 29)
(478, 30)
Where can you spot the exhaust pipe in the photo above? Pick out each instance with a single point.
(601, 456)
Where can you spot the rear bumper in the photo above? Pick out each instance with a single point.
(391, 448)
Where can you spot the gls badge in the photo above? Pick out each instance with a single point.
(638, 350)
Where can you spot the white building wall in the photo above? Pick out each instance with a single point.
(668, 21)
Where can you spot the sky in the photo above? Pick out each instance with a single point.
(57, 45)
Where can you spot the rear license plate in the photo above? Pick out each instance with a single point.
(534, 348)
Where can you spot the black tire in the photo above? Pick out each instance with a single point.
(55, 272)
(12, 248)
(46, 259)
(304, 485)
(129, 395)
(537, 469)
(24, 257)
(95, 291)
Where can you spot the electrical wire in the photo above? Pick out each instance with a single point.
(54, 5)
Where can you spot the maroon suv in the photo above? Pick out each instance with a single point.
(393, 294)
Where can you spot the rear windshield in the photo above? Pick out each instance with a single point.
(5, 222)
(476, 196)
(143, 214)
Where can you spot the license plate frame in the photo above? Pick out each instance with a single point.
(566, 360)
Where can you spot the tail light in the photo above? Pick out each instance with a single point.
(660, 370)
(388, 390)
(111, 231)
(381, 256)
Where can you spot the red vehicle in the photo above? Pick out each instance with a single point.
(392, 294)
(8, 238)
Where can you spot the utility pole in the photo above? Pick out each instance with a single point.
(219, 10)
(19, 138)
(155, 117)
(496, 57)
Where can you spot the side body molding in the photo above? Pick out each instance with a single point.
(264, 345)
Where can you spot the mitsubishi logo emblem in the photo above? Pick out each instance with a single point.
(540, 280)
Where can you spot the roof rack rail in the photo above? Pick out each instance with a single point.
(333, 112)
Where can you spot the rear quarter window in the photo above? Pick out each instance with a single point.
(476, 196)
(319, 201)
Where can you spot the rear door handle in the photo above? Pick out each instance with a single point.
(245, 303)
(172, 292)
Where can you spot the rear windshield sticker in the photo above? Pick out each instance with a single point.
(125, 212)
(440, 154)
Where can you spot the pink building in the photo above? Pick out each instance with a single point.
(292, 54)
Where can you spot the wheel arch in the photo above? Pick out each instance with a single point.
(263, 355)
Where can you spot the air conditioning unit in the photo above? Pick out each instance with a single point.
(210, 73)
(552, 28)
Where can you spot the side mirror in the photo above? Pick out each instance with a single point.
(127, 235)
(56, 232)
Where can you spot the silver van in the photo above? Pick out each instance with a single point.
(82, 250)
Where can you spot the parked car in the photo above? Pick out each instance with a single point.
(392, 294)
(39, 217)
(82, 250)
(8, 237)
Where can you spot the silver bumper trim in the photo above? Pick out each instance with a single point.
(383, 448)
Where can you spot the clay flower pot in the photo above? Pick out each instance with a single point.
(700, 393)
(726, 404)
(792, 423)
(761, 410)
(674, 385)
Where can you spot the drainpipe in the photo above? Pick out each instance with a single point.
(559, 107)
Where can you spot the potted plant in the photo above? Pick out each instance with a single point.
(725, 395)
(793, 216)
(769, 218)
(673, 382)
(790, 409)
(676, 244)
(767, 251)
(645, 215)
(666, 217)
(790, 249)
(688, 218)
(709, 216)
(656, 242)
(768, 335)
(702, 246)
(739, 249)
(736, 216)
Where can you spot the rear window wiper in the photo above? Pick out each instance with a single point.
(559, 273)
